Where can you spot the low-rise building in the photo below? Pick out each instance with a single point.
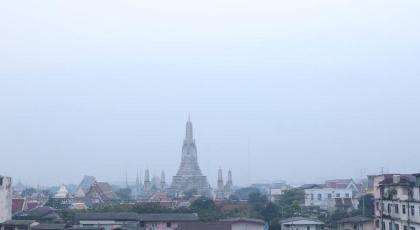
(397, 202)
(228, 224)
(17, 224)
(355, 223)
(301, 223)
(334, 194)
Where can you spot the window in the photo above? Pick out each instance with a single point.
(397, 209)
(412, 210)
(308, 227)
(377, 206)
(396, 227)
(319, 196)
(389, 208)
(403, 209)
(412, 228)
(329, 196)
(168, 224)
(312, 196)
(337, 195)
(390, 226)
(405, 227)
(347, 195)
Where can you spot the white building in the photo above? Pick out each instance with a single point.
(397, 202)
(301, 223)
(5, 198)
(334, 194)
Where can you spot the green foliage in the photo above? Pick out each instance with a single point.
(124, 194)
(290, 202)
(367, 205)
(206, 209)
(243, 193)
(28, 192)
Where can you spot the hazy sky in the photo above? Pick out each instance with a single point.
(300, 90)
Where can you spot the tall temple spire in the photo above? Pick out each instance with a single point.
(189, 176)
(189, 130)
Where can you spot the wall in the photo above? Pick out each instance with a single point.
(5, 198)
(247, 226)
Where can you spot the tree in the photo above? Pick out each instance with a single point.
(28, 192)
(206, 209)
(367, 205)
(124, 193)
(290, 202)
(243, 193)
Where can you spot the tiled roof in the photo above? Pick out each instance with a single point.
(152, 217)
(355, 219)
(49, 227)
(204, 226)
(18, 204)
(299, 218)
(108, 216)
(241, 219)
(18, 222)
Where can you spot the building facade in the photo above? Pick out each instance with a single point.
(5, 198)
(397, 202)
(334, 194)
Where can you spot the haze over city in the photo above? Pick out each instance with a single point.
(276, 90)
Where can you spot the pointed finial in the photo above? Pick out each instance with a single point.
(189, 117)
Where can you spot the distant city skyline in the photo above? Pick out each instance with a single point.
(300, 91)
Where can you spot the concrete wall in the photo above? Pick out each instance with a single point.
(247, 226)
(300, 227)
(325, 197)
(5, 198)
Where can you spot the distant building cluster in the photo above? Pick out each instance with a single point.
(395, 201)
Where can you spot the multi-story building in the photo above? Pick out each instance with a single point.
(334, 194)
(397, 202)
(5, 198)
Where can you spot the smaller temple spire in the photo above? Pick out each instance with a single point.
(147, 185)
(162, 181)
(137, 185)
(229, 180)
(220, 179)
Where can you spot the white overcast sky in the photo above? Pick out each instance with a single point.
(300, 90)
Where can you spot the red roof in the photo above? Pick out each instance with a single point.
(340, 183)
(32, 204)
(18, 204)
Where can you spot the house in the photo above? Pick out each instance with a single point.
(49, 227)
(107, 220)
(165, 221)
(228, 224)
(42, 214)
(301, 223)
(334, 194)
(397, 202)
(17, 225)
(355, 223)
(131, 220)
(101, 192)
